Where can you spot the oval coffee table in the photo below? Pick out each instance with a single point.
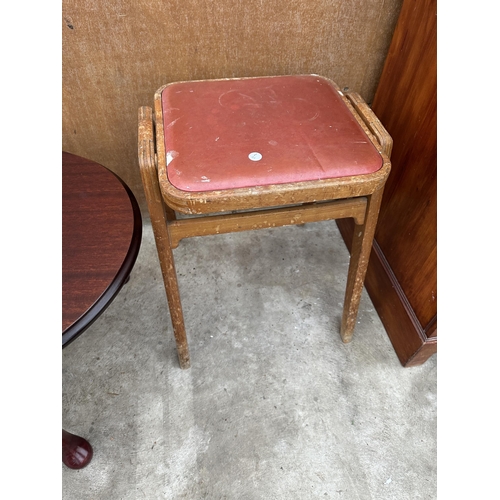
(101, 237)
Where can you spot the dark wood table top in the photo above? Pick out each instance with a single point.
(101, 237)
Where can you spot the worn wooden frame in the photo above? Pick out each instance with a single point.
(258, 207)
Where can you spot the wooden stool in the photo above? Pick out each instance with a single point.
(268, 152)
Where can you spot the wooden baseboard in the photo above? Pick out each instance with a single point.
(413, 343)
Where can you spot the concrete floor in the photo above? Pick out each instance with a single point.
(274, 406)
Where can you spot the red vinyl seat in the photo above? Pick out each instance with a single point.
(232, 134)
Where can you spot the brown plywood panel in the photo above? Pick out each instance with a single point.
(116, 54)
(406, 104)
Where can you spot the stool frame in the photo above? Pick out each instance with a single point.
(242, 209)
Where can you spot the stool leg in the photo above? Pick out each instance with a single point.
(166, 258)
(360, 254)
(159, 215)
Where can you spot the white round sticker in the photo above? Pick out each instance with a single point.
(255, 156)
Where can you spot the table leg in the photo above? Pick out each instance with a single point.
(76, 451)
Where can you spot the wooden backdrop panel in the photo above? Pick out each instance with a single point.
(116, 54)
(407, 229)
